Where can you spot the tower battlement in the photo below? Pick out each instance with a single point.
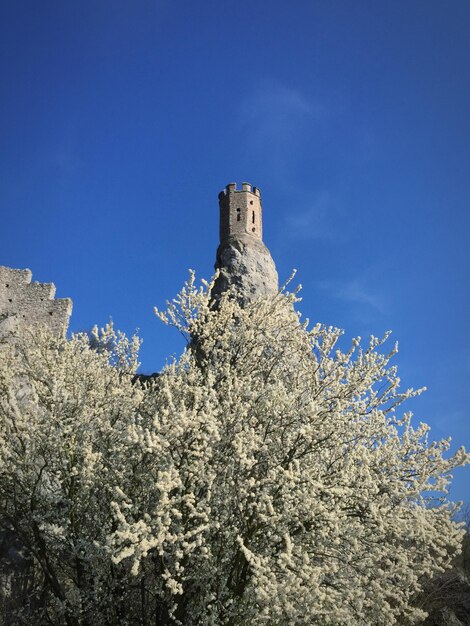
(240, 212)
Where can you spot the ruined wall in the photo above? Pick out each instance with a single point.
(25, 303)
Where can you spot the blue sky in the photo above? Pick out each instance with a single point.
(120, 121)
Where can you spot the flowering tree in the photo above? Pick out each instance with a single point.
(266, 477)
(64, 413)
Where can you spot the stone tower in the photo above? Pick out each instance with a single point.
(240, 212)
(243, 260)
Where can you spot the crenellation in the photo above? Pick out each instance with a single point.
(240, 212)
(24, 303)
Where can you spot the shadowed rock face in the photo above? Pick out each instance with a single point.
(246, 264)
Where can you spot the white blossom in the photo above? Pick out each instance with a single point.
(266, 477)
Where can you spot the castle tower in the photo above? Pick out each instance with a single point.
(240, 212)
(244, 262)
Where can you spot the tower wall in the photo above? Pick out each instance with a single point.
(240, 212)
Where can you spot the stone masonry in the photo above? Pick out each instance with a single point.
(244, 262)
(25, 303)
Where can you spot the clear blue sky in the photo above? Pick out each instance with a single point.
(120, 121)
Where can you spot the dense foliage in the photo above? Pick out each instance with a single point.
(266, 477)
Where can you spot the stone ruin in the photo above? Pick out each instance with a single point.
(24, 303)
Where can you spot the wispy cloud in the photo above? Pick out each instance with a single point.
(356, 291)
(275, 115)
(318, 218)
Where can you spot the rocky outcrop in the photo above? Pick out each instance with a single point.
(245, 264)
